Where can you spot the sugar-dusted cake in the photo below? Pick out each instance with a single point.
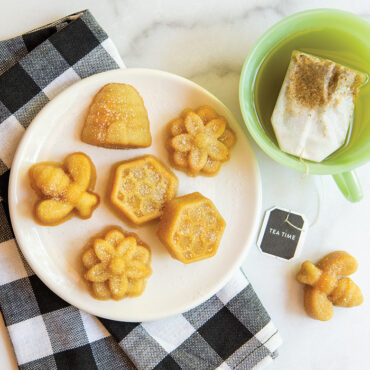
(64, 189)
(200, 141)
(117, 118)
(117, 265)
(141, 187)
(191, 228)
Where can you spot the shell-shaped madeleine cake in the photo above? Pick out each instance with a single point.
(117, 118)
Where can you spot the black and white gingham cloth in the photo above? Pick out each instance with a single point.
(230, 330)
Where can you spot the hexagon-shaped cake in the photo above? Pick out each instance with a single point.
(141, 187)
(191, 228)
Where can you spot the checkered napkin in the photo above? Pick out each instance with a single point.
(230, 330)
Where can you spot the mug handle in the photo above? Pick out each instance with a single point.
(349, 185)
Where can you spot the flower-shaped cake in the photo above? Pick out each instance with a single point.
(200, 141)
(117, 265)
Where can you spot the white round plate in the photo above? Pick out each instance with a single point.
(54, 253)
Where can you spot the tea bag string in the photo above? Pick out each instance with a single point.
(305, 164)
(319, 202)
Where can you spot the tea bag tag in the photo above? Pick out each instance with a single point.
(282, 233)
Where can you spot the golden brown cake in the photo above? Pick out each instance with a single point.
(141, 187)
(64, 189)
(117, 265)
(117, 118)
(191, 228)
(200, 141)
(326, 285)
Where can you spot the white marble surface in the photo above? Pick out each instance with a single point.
(207, 42)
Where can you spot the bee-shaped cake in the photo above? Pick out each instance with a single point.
(327, 284)
(64, 189)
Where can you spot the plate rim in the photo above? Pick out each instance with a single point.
(17, 159)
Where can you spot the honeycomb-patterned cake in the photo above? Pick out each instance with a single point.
(117, 265)
(191, 228)
(141, 187)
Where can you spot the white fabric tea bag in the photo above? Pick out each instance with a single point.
(315, 106)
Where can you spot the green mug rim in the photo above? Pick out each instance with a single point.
(247, 78)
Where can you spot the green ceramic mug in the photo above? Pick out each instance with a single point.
(353, 33)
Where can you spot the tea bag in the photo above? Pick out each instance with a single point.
(315, 106)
